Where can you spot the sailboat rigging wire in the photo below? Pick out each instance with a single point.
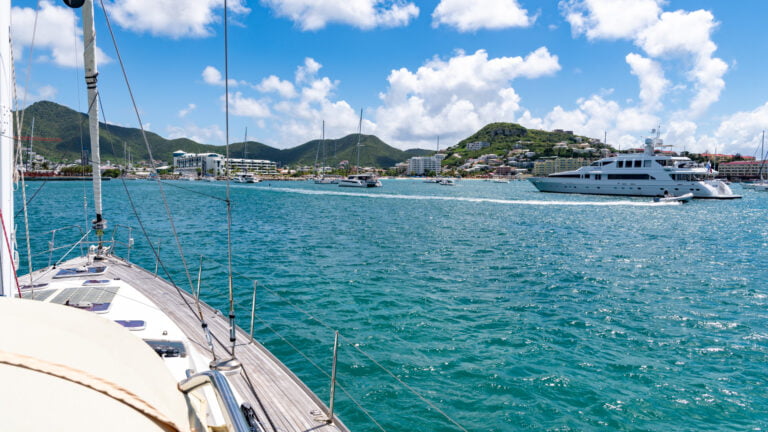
(149, 152)
(29, 69)
(10, 252)
(28, 202)
(78, 69)
(26, 212)
(229, 202)
(155, 251)
(349, 342)
(193, 191)
(320, 370)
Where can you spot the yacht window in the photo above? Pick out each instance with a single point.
(596, 163)
(638, 163)
(629, 177)
(620, 164)
(646, 163)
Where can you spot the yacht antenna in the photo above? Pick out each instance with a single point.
(6, 151)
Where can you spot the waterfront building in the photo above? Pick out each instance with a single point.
(746, 169)
(424, 164)
(546, 167)
(190, 164)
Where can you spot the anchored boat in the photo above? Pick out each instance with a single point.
(639, 174)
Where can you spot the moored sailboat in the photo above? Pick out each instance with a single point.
(360, 180)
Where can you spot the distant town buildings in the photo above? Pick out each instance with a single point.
(545, 167)
(743, 169)
(477, 145)
(193, 164)
(422, 165)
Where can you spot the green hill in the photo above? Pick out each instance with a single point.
(70, 129)
(505, 137)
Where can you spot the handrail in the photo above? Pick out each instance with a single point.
(227, 402)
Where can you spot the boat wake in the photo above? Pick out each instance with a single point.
(475, 200)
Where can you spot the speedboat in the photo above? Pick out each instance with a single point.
(639, 174)
(447, 182)
(364, 180)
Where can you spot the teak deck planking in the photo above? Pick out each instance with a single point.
(281, 401)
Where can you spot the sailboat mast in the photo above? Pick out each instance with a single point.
(323, 148)
(6, 151)
(359, 135)
(91, 78)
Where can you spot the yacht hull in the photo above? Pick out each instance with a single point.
(700, 189)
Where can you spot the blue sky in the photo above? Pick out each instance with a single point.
(418, 69)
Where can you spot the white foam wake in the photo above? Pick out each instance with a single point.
(476, 200)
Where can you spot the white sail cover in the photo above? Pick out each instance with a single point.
(65, 369)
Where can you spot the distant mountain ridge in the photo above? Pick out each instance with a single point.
(64, 132)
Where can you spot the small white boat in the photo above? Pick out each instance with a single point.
(447, 182)
(670, 198)
(246, 178)
(326, 180)
(364, 180)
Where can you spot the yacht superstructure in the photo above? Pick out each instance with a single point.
(639, 174)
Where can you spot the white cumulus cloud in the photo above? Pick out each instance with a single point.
(274, 84)
(610, 19)
(685, 36)
(455, 97)
(172, 18)
(183, 112)
(468, 16)
(363, 14)
(240, 105)
(58, 37)
(653, 85)
(212, 76)
(207, 135)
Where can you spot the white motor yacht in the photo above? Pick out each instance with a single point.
(364, 180)
(246, 178)
(639, 174)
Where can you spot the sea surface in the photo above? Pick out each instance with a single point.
(479, 307)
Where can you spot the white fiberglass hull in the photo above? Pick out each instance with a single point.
(354, 183)
(700, 189)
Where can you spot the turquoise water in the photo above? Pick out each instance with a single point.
(506, 308)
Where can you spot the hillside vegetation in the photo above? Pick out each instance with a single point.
(70, 129)
(506, 137)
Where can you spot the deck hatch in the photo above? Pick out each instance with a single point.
(95, 299)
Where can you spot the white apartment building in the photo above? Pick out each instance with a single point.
(424, 164)
(189, 164)
(477, 145)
